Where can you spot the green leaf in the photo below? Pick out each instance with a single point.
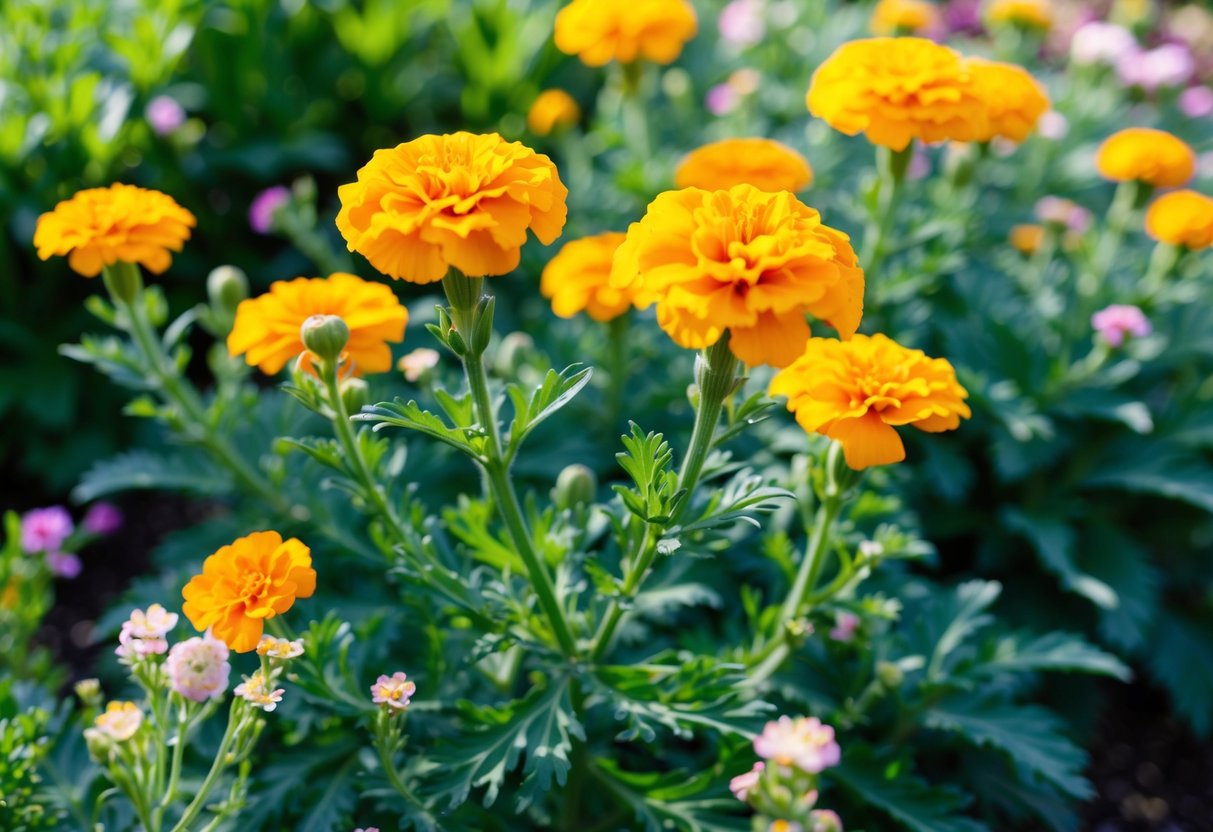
(1158, 468)
(1055, 541)
(674, 800)
(1056, 651)
(409, 415)
(556, 390)
(1029, 735)
(742, 497)
(1181, 657)
(968, 615)
(902, 796)
(136, 470)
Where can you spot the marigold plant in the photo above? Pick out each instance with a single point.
(1031, 14)
(902, 17)
(552, 109)
(856, 392)
(1143, 154)
(99, 227)
(766, 164)
(459, 200)
(601, 31)
(243, 584)
(577, 279)
(266, 331)
(745, 261)
(1181, 218)
(1014, 100)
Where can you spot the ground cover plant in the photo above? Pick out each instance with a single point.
(603, 415)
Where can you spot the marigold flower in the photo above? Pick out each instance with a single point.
(552, 109)
(259, 692)
(1118, 321)
(198, 668)
(895, 90)
(1026, 239)
(741, 260)
(393, 692)
(266, 330)
(1014, 100)
(119, 721)
(577, 279)
(1181, 218)
(857, 391)
(743, 784)
(903, 17)
(246, 582)
(1152, 156)
(1031, 14)
(280, 648)
(458, 200)
(803, 743)
(767, 165)
(99, 227)
(45, 529)
(601, 31)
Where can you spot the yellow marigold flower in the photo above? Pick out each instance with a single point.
(1152, 156)
(246, 582)
(550, 110)
(857, 391)
(763, 163)
(1181, 218)
(577, 279)
(1033, 14)
(895, 90)
(1027, 238)
(898, 17)
(266, 331)
(1014, 100)
(459, 200)
(99, 227)
(743, 260)
(601, 31)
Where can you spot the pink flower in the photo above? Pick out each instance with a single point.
(102, 519)
(1098, 42)
(1170, 65)
(265, 205)
(198, 668)
(1118, 321)
(64, 564)
(393, 692)
(804, 743)
(1053, 126)
(165, 115)
(741, 22)
(368, 829)
(157, 622)
(45, 529)
(131, 647)
(845, 625)
(722, 99)
(417, 363)
(259, 692)
(1064, 212)
(920, 164)
(1196, 102)
(743, 784)
(824, 820)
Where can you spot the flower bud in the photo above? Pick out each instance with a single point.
(89, 692)
(354, 394)
(325, 337)
(889, 674)
(693, 394)
(576, 485)
(226, 286)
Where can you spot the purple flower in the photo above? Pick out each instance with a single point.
(102, 519)
(1117, 321)
(920, 165)
(1170, 65)
(1098, 42)
(722, 99)
(963, 16)
(165, 115)
(45, 529)
(1196, 102)
(265, 205)
(1063, 212)
(64, 564)
(845, 625)
(741, 22)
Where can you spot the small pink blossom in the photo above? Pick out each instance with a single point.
(165, 115)
(722, 99)
(367, 829)
(264, 206)
(804, 743)
(1098, 42)
(198, 668)
(743, 784)
(259, 692)
(393, 692)
(1053, 126)
(157, 622)
(280, 648)
(417, 363)
(131, 647)
(102, 519)
(1063, 212)
(741, 22)
(1169, 65)
(920, 165)
(824, 820)
(45, 529)
(64, 564)
(845, 626)
(1196, 102)
(1118, 321)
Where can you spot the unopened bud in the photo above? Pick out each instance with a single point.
(890, 675)
(355, 393)
(325, 337)
(226, 286)
(89, 692)
(693, 395)
(576, 485)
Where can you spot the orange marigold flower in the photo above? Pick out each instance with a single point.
(601, 31)
(1014, 100)
(1033, 14)
(266, 331)
(577, 279)
(1027, 238)
(460, 200)
(857, 391)
(1151, 156)
(743, 260)
(1181, 218)
(763, 163)
(895, 90)
(900, 17)
(552, 109)
(99, 227)
(246, 582)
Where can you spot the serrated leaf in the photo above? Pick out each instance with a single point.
(554, 392)
(137, 470)
(1055, 651)
(1054, 540)
(902, 796)
(410, 415)
(969, 603)
(1181, 657)
(1158, 468)
(675, 800)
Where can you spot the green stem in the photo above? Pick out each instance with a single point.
(617, 364)
(1128, 197)
(637, 567)
(891, 167)
(174, 777)
(1163, 261)
(393, 776)
(234, 720)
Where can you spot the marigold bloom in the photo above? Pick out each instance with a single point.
(119, 721)
(1152, 156)
(895, 90)
(266, 330)
(803, 743)
(550, 110)
(259, 692)
(198, 668)
(741, 260)
(1026, 239)
(246, 582)
(99, 227)
(577, 279)
(601, 31)
(280, 648)
(857, 391)
(767, 165)
(1014, 100)
(1032, 14)
(901, 17)
(459, 200)
(393, 692)
(1181, 218)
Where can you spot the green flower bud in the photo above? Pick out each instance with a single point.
(226, 286)
(693, 394)
(354, 394)
(576, 485)
(889, 674)
(325, 337)
(89, 692)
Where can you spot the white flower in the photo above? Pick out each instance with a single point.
(258, 692)
(280, 648)
(119, 722)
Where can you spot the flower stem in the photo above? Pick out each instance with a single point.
(891, 167)
(235, 720)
